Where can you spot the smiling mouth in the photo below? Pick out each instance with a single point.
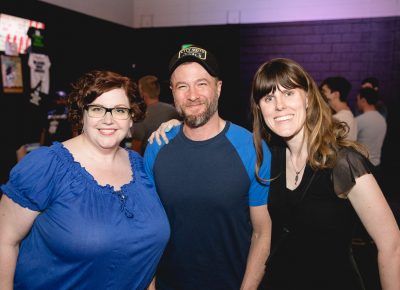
(107, 131)
(194, 105)
(284, 118)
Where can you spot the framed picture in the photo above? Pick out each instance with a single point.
(11, 71)
(14, 30)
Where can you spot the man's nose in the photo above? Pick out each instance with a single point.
(192, 94)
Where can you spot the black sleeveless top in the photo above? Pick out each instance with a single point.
(317, 252)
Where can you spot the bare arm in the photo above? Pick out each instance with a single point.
(152, 285)
(15, 223)
(259, 248)
(160, 132)
(377, 217)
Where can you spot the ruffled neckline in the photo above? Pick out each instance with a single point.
(77, 167)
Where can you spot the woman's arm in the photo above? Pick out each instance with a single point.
(152, 285)
(377, 217)
(160, 132)
(259, 248)
(15, 223)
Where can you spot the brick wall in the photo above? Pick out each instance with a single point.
(355, 49)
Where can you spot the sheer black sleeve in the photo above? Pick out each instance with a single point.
(350, 165)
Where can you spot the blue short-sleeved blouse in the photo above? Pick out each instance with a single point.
(87, 236)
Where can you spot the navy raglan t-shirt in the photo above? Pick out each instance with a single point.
(206, 188)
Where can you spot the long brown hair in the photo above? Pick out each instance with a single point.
(324, 135)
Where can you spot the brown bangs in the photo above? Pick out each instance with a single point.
(274, 74)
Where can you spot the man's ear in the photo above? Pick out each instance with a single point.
(219, 87)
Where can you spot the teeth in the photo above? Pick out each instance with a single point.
(284, 118)
(106, 130)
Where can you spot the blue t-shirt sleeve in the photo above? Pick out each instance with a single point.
(149, 158)
(33, 179)
(258, 194)
(242, 140)
(152, 150)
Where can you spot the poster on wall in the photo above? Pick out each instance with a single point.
(11, 72)
(14, 29)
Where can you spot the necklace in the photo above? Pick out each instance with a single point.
(295, 170)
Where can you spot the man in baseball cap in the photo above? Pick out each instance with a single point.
(205, 179)
(195, 54)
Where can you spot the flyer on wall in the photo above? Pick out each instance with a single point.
(11, 70)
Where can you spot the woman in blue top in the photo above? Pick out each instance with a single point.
(83, 214)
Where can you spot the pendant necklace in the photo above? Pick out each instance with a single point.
(295, 170)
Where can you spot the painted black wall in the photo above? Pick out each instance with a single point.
(77, 43)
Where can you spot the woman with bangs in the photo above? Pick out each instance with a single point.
(321, 184)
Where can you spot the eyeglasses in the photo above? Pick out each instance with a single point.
(119, 113)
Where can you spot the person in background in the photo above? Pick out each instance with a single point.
(311, 156)
(372, 82)
(336, 90)
(157, 112)
(83, 214)
(371, 127)
(220, 226)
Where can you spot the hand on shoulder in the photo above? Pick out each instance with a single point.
(164, 128)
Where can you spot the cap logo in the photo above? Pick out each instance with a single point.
(193, 51)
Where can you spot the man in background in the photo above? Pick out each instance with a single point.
(373, 83)
(371, 124)
(370, 133)
(336, 90)
(156, 113)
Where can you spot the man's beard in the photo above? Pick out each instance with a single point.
(195, 121)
